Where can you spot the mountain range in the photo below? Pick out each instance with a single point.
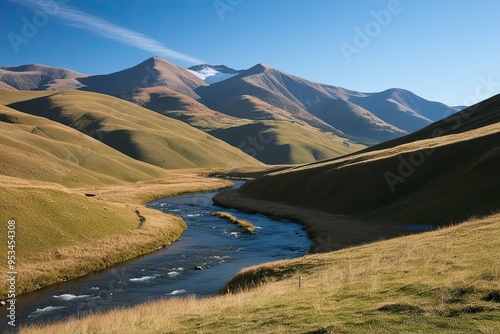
(306, 121)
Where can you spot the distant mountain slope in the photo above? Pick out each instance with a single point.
(152, 72)
(403, 109)
(272, 142)
(270, 86)
(452, 175)
(137, 132)
(39, 77)
(377, 116)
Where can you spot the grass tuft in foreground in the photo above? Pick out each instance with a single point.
(243, 223)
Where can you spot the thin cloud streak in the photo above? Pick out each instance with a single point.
(76, 18)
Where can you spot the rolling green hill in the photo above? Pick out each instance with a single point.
(137, 132)
(35, 148)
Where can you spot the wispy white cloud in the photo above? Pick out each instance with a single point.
(76, 18)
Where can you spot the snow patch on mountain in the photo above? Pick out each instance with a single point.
(213, 73)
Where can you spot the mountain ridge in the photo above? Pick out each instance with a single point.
(258, 93)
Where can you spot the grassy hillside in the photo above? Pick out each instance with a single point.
(184, 108)
(446, 281)
(429, 181)
(137, 132)
(35, 148)
(275, 142)
(281, 142)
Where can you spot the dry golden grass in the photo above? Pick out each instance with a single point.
(445, 281)
(240, 222)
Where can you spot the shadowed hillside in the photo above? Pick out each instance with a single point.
(279, 142)
(436, 180)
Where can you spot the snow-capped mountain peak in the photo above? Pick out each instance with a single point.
(213, 73)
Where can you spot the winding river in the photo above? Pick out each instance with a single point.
(219, 247)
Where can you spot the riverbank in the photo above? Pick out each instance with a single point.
(66, 233)
(329, 232)
(443, 281)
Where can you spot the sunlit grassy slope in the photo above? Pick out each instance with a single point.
(446, 281)
(35, 148)
(61, 234)
(137, 132)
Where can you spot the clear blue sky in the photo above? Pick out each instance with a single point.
(445, 50)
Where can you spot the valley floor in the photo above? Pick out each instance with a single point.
(444, 281)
